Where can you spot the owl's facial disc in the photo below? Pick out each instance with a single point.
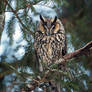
(49, 26)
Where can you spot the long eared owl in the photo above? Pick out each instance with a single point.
(49, 41)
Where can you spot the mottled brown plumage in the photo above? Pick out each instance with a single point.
(49, 41)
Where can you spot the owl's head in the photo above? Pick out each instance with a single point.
(49, 26)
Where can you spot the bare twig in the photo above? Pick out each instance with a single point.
(80, 52)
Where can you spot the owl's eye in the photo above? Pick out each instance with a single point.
(52, 24)
(53, 27)
(45, 24)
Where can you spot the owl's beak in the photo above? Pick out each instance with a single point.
(49, 33)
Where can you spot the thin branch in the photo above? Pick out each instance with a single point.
(80, 52)
(14, 11)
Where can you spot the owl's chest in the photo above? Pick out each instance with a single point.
(50, 47)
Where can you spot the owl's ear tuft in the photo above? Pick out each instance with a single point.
(55, 19)
(41, 18)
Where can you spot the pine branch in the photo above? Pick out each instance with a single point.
(14, 11)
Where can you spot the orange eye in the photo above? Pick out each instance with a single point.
(56, 28)
(45, 23)
(42, 28)
(53, 27)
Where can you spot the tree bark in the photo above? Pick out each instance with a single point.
(2, 22)
(2, 16)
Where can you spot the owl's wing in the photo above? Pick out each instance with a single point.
(37, 47)
(38, 62)
(36, 59)
(64, 49)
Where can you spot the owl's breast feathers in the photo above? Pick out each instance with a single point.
(50, 47)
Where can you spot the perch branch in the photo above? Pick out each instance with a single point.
(80, 52)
